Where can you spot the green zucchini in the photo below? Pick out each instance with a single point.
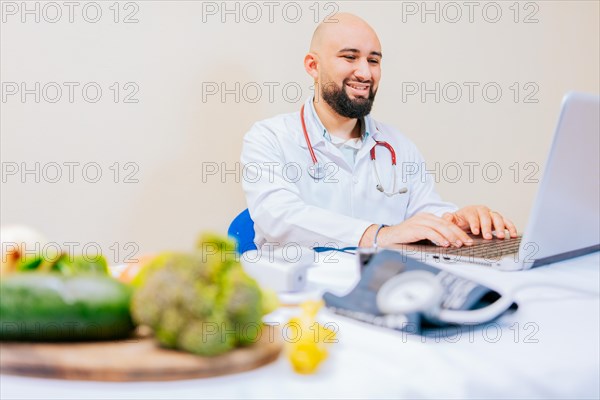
(37, 306)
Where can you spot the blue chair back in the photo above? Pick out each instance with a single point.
(242, 230)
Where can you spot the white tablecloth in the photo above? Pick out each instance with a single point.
(549, 348)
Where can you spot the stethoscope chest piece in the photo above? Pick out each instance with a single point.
(316, 171)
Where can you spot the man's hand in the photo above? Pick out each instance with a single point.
(422, 226)
(478, 219)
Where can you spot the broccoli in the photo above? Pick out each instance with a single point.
(201, 302)
(241, 295)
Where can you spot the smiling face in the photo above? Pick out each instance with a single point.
(345, 61)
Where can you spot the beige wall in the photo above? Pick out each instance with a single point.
(177, 50)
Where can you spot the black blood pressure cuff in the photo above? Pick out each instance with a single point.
(405, 294)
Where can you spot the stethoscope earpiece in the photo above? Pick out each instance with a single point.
(401, 191)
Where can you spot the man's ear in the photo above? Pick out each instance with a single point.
(310, 65)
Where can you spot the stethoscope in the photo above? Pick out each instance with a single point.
(317, 170)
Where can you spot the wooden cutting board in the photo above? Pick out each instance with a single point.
(136, 359)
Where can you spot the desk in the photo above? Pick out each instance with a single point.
(549, 348)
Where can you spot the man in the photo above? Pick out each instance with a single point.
(309, 176)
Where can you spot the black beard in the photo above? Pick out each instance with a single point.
(338, 99)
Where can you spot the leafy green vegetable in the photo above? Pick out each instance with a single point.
(63, 263)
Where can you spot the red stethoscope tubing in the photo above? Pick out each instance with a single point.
(312, 152)
(314, 157)
(387, 146)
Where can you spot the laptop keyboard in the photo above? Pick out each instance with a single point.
(491, 250)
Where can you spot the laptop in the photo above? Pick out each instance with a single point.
(565, 218)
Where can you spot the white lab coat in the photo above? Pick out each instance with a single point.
(288, 206)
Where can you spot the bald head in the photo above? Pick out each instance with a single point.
(344, 61)
(339, 26)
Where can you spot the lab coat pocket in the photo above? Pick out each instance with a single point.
(332, 191)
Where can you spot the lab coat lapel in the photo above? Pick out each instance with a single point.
(325, 151)
(369, 142)
(313, 128)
